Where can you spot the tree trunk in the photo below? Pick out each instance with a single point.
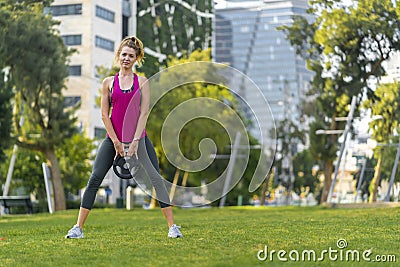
(153, 202)
(328, 163)
(328, 170)
(375, 181)
(174, 183)
(184, 179)
(264, 189)
(58, 188)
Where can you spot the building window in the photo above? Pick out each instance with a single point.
(104, 43)
(75, 70)
(62, 10)
(105, 13)
(71, 101)
(244, 29)
(126, 8)
(125, 26)
(99, 132)
(75, 39)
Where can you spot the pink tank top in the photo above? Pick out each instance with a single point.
(125, 110)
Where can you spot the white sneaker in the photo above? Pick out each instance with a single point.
(75, 232)
(174, 231)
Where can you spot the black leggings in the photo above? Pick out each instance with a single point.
(104, 160)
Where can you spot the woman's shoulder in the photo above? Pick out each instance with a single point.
(108, 80)
(141, 77)
(107, 84)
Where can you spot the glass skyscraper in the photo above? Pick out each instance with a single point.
(246, 38)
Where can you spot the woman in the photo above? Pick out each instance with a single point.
(129, 97)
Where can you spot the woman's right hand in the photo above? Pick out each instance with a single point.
(119, 149)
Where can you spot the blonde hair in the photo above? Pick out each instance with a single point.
(134, 43)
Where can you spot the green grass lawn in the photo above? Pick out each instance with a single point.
(213, 237)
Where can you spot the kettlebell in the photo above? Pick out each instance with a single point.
(126, 167)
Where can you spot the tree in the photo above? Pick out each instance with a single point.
(385, 104)
(344, 60)
(389, 156)
(303, 169)
(196, 129)
(6, 95)
(367, 178)
(27, 175)
(37, 57)
(289, 136)
(169, 28)
(75, 155)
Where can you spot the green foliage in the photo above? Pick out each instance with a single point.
(23, 4)
(321, 146)
(75, 156)
(305, 179)
(345, 47)
(389, 156)
(386, 105)
(6, 95)
(27, 174)
(36, 58)
(39, 78)
(242, 188)
(170, 28)
(195, 130)
(289, 136)
(103, 73)
(344, 59)
(368, 176)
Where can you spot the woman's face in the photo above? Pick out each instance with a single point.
(127, 57)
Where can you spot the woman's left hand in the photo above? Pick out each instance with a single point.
(133, 148)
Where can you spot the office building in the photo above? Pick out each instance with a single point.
(93, 28)
(246, 38)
